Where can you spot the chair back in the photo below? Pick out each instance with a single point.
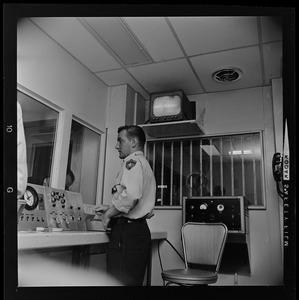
(203, 244)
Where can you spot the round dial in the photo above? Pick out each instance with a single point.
(220, 207)
(203, 206)
(31, 198)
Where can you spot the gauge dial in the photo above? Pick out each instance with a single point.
(31, 198)
(203, 206)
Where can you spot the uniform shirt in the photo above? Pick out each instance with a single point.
(21, 152)
(135, 189)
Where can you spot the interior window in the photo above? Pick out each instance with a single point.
(83, 161)
(207, 166)
(40, 129)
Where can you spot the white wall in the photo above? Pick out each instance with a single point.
(46, 69)
(234, 111)
(120, 112)
(230, 112)
(116, 117)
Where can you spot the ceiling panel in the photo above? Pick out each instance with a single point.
(116, 36)
(209, 34)
(251, 43)
(246, 59)
(119, 77)
(74, 38)
(169, 75)
(155, 34)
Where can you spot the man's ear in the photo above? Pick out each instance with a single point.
(134, 142)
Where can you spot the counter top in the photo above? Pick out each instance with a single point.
(40, 239)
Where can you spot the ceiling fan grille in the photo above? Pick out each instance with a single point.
(227, 75)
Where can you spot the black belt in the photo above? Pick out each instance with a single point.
(124, 220)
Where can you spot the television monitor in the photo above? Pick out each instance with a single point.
(171, 106)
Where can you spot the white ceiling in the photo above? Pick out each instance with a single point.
(178, 52)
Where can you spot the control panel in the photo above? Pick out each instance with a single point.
(52, 208)
(232, 211)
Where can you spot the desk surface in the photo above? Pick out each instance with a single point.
(37, 239)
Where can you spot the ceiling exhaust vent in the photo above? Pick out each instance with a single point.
(227, 75)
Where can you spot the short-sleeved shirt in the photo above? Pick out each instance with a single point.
(135, 188)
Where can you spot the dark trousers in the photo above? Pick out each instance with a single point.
(128, 252)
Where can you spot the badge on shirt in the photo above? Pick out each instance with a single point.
(118, 188)
(130, 164)
(114, 190)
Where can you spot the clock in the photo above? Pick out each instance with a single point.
(31, 198)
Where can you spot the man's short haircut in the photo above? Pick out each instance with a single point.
(134, 131)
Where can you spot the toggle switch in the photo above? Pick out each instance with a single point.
(66, 219)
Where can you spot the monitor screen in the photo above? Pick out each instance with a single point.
(166, 106)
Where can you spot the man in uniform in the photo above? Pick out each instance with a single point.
(133, 200)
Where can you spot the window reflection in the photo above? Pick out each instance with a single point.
(83, 160)
(40, 128)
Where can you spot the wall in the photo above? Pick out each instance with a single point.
(116, 117)
(120, 112)
(234, 111)
(141, 116)
(231, 112)
(47, 72)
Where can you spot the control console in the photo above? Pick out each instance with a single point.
(232, 211)
(52, 208)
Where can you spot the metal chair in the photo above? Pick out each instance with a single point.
(203, 245)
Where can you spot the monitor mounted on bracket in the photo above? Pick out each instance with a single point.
(171, 106)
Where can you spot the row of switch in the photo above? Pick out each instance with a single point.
(63, 206)
(27, 218)
(65, 219)
(57, 194)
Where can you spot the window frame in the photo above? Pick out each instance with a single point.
(62, 141)
(56, 108)
(101, 160)
(263, 205)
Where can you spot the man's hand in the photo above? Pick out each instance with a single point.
(109, 213)
(101, 209)
(150, 215)
(105, 221)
